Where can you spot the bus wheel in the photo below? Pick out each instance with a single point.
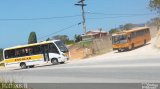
(129, 48)
(23, 65)
(54, 61)
(144, 42)
(32, 66)
(119, 50)
(62, 62)
(132, 46)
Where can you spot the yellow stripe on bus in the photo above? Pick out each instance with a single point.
(26, 58)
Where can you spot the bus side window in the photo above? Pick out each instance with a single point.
(133, 35)
(11, 53)
(53, 49)
(17, 52)
(36, 50)
(44, 48)
(26, 51)
(6, 54)
(30, 50)
(147, 31)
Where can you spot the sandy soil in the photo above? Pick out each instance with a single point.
(148, 50)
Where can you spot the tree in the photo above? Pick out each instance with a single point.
(128, 26)
(63, 38)
(32, 38)
(113, 31)
(155, 5)
(78, 38)
(1, 54)
(1, 51)
(48, 39)
(155, 22)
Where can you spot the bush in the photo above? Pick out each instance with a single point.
(69, 42)
(86, 44)
(1, 64)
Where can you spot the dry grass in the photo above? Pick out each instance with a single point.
(1, 65)
(10, 85)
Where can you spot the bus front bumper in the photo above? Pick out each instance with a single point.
(120, 46)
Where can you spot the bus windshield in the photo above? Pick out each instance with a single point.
(119, 39)
(61, 46)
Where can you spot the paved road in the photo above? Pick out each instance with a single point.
(140, 70)
(139, 65)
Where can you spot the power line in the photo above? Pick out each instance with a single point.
(122, 16)
(45, 18)
(117, 13)
(71, 16)
(56, 32)
(59, 30)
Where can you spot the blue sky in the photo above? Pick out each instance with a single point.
(16, 32)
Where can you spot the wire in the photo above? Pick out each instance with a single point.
(60, 17)
(59, 30)
(117, 14)
(56, 32)
(71, 16)
(121, 16)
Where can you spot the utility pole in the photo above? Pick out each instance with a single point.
(81, 3)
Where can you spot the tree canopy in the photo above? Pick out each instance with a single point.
(32, 38)
(63, 38)
(114, 30)
(155, 5)
(155, 21)
(128, 26)
(1, 54)
(78, 38)
(48, 39)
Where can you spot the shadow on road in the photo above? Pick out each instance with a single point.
(134, 48)
(38, 67)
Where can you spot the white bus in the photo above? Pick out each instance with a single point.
(42, 53)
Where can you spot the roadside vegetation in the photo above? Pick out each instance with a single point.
(155, 5)
(1, 58)
(1, 54)
(1, 64)
(11, 85)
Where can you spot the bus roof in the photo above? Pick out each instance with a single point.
(128, 31)
(28, 45)
(136, 29)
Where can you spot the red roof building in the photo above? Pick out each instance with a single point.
(94, 34)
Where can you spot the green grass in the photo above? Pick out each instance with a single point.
(86, 44)
(69, 42)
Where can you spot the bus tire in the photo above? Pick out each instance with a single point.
(32, 66)
(129, 48)
(54, 61)
(119, 50)
(23, 65)
(144, 42)
(132, 46)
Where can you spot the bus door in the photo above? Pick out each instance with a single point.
(45, 50)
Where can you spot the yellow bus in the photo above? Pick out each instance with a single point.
(47, 52)
(128, 40)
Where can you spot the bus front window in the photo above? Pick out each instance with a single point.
(119, 39)
(61, 46)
